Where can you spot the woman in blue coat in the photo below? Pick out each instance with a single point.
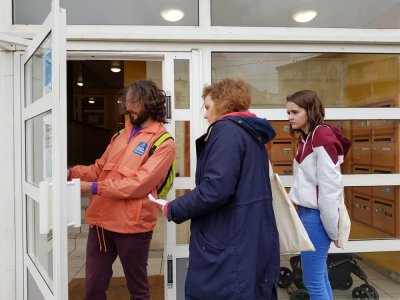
(234, 244)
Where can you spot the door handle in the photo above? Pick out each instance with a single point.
(74, 202)
(73, 205)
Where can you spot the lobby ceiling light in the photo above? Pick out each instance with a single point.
(79, 83)
(115, 67)
(304, 16)
(172, 15)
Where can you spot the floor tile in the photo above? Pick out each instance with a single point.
(81, 273)
(117, 262)
(118, 271)
(153, 269)
(77, 254)
(72, 272)
(373, 274)
(80, 242)
(76, 263)
(388, 286)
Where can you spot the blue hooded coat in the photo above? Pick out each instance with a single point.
(234, 243)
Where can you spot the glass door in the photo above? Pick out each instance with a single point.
(184, 91)
(43, 161)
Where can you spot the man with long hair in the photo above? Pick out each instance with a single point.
(120, 216)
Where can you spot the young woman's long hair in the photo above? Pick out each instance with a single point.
(311, 103)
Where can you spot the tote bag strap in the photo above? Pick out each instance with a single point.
(341, 200)
(312, 135)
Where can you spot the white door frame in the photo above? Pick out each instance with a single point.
(193, 114)
(54, 100)
(173, 251)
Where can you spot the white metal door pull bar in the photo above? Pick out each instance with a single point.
(73, 203)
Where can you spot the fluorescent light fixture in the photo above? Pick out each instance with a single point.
(80, 83)
(115, 67)
(304, 16)
(172, 15)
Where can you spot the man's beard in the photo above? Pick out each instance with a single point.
(141, 118)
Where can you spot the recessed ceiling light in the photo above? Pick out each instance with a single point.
(304, 16)
(172, 15)
(115, 67)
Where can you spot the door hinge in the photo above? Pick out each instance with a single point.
(169, 105)
(170, 274)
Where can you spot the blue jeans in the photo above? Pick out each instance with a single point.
(315, 273)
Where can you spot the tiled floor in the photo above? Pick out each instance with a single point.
(387, 288)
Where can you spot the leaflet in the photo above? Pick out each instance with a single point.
(161, 202)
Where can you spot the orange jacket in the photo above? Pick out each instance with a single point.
(125, 176)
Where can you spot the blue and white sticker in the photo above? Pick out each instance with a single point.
(141, 148)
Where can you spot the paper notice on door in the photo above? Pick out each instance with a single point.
(157, 201)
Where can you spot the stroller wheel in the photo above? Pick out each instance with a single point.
(371, 290)
(360, 293)
(349, 283)
(300, 295)
(285, 278)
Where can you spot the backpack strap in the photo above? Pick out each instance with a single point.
(171, 169)
(165, 136)
(117, 134)
(168, 180)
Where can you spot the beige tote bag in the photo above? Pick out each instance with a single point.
(344, 223)
(293, 237)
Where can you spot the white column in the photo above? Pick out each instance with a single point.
(5, 14)
(7, 211)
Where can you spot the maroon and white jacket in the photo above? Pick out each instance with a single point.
(317, 179)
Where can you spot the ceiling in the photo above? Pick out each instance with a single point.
(96, 74)
(331, 14)
(270, 13)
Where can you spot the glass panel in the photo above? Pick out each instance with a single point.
(181, 272)
(183, 229)
(39, 246)
(182, 83)
(38, 140)
(33, 292)
(182, 144)
(375, 148)
(333, 14)
(341, 80)
(346, 275)
(374, 211)
(38, 76)
(103, 12)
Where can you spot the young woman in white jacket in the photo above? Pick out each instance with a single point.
(317, 185)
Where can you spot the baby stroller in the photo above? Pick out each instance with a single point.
(340, 268)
